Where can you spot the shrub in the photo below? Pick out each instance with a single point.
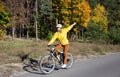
(1, 34)
(95, 34)
(50, 35)
(114, 35)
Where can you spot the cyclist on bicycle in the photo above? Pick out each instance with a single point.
(61, 35)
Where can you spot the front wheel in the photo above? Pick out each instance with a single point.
(69, 60)
(47, 64)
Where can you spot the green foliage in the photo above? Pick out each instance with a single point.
(4, 20)
(4, 17)
(1, 34)
(45, 17)
(50, 35)
(42, 31)
(93, 3)
(95, 34)
(114, 35)
(113, 11)
(45, 9)
(97, 29)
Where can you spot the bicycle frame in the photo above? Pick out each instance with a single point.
(53, 54)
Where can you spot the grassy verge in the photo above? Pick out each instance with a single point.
(10, 51)
(88, 50)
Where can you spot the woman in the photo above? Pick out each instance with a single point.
(61, 35)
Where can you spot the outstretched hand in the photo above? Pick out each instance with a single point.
(74, 23)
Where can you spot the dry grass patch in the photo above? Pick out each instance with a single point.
(88, 50)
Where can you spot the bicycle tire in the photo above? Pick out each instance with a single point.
(47, 62)
(70, 60)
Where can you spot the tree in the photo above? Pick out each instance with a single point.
(57, 6)
(4, 20)
(36, 19)
(114, 35)
(12, 11)
(93, 3)
(74, 10)
(112, 6)
(27, 15)
(97, 29)
(85, 11)
(45, 18)
(99, 17)
(20, 11)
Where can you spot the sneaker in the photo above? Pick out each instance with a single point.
(63, 66)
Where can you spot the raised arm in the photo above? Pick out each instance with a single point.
(70, 27)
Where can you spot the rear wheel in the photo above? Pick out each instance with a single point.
(69, 60)
(47, 64)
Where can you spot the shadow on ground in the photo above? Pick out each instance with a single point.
(31, 65)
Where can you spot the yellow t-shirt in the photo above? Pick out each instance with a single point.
(61, 36)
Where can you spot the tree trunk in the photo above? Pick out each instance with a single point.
(13, 32)
(20, 31)
(13, 29)
(36, 9)
(27, 34)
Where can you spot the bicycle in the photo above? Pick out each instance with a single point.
(52, 60)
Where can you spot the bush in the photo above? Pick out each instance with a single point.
(95, 34)
(2, 34)
(50, 35)
(114, 35)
